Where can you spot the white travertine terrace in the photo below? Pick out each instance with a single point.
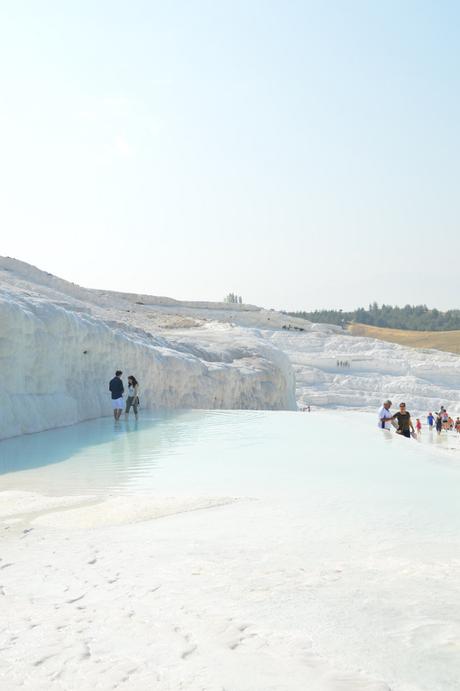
(60, 344)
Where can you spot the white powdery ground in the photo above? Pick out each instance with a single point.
(211, 593)
(244, 597)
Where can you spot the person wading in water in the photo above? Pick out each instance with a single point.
(133, 395)
(385, 416)
(116, 388)
(405, 425)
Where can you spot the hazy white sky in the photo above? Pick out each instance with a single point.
(302, 154)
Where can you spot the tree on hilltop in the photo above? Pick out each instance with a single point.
(233, 299)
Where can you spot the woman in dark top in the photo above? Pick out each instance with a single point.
(438, 423)
(404, 422)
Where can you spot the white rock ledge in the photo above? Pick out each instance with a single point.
(58, 352)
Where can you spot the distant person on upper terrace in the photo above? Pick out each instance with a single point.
(116, 388)
(385, 416)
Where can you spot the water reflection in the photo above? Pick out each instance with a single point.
(111, 456)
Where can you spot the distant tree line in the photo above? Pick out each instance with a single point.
(410, 317)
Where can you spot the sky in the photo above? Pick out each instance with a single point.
(300, 154)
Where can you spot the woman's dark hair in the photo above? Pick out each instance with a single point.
(133, 379)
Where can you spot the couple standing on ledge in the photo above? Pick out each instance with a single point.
(403, 419)
(117, 390)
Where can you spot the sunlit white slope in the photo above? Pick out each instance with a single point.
(424, 379)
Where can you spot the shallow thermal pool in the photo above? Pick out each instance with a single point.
(235, 453)
(343, 536)
(295, 456)
(231, 451)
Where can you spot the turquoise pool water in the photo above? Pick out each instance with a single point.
(237, 453)
(356, 528)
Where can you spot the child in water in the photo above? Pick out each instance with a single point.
(418, 426)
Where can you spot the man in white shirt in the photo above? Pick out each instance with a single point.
(385, 416)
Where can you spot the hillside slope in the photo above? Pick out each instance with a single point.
(448, 341)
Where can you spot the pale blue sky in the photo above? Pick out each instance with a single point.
(302, 154)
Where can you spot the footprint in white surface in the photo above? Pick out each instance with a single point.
(75, 599)
(125, 678)
(39, 662)
(86, 654)
(190, 647)
(188, 651)
(236, 634)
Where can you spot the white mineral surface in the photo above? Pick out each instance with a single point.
(319, 554)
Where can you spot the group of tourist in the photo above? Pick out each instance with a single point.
(443, 421)
(117, 389)
(403, 422)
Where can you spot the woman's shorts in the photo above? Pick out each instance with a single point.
(132, 401)
(117, 403)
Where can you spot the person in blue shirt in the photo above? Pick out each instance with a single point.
(430, 420)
